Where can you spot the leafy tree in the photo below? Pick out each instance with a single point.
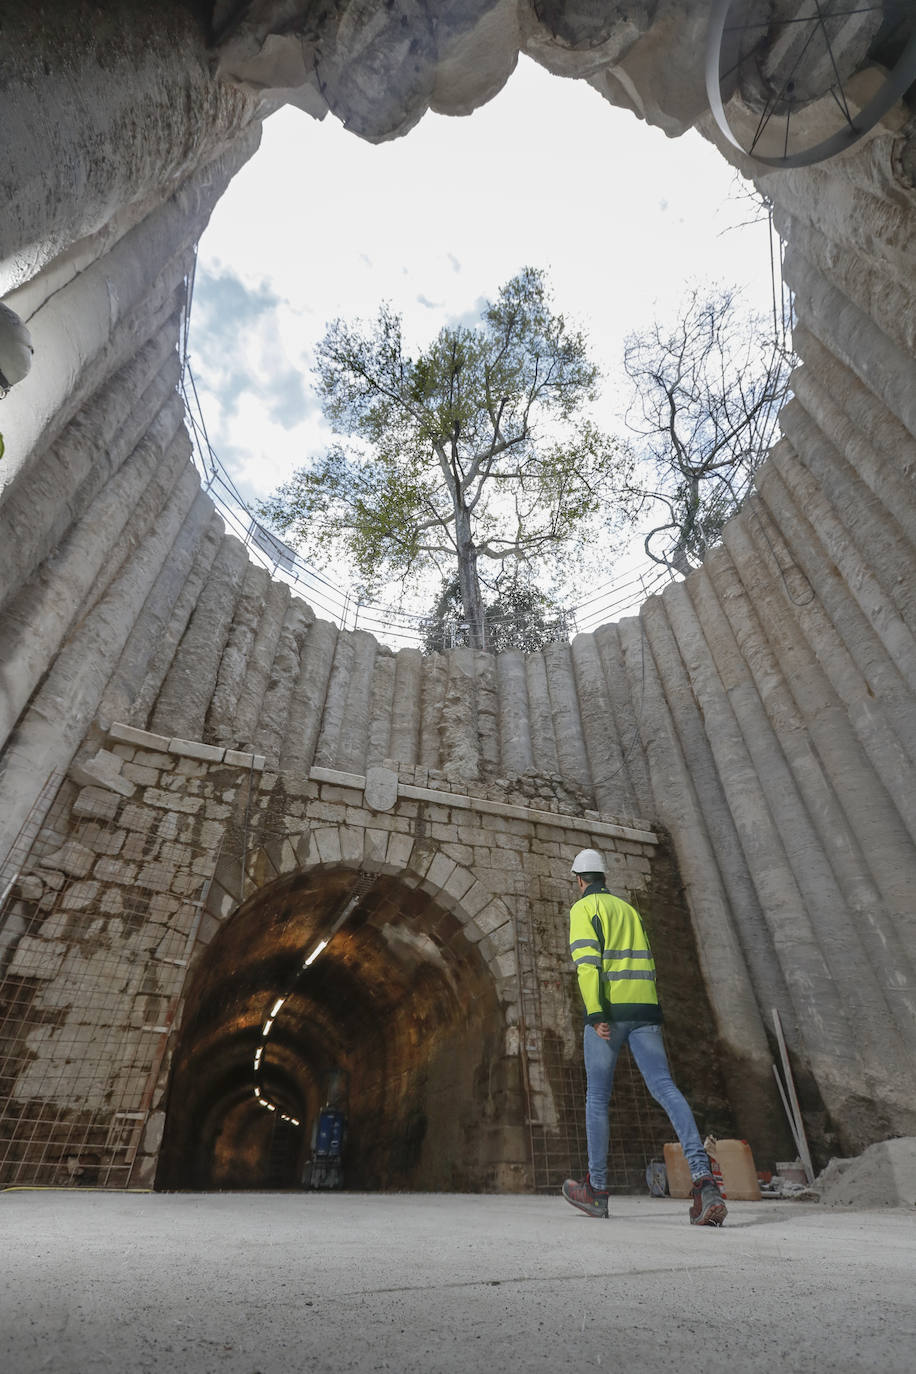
(706, 395)
(475, 451)
(520, 616)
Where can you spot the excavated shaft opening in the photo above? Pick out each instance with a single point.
(396, 1019)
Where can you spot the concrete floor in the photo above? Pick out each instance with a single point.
(263, 1283)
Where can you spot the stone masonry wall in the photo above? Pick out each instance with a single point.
(135, 874)
(100, 928)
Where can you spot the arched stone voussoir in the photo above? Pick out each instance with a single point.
(483, 917)
(349, 846)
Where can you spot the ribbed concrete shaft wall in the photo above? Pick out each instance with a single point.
(763, 711)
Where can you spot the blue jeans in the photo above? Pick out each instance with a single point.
(648, 1049)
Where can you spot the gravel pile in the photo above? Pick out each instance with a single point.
(883, 1176)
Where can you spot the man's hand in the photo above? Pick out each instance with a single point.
(603, 1030)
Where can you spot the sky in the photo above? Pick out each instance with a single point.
(320, 225)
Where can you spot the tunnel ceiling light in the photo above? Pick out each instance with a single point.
(322, 944)
(276, 1007)
(267, 1026)
(272, 1107)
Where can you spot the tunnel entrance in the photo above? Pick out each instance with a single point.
(396, 1018)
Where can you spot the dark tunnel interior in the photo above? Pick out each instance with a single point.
(397, 1018)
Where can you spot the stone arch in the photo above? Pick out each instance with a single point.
(402, 1004)
(483, 914)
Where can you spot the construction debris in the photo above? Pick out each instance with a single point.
(883, 1176)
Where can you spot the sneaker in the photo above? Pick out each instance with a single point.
(707, 1207)
(591, 1201)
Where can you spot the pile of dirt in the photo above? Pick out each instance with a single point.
(883, 1176)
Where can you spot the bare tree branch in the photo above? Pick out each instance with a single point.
(705, 397)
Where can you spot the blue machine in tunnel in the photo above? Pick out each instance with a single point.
(325, 1167)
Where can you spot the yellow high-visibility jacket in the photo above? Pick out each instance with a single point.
(613, 960)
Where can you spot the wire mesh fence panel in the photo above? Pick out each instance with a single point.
(639, 1128)
(95, 939)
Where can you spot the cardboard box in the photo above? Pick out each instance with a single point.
(736, 1165)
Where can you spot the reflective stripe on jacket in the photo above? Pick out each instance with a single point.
(614, 964)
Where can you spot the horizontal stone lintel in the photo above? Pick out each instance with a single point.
(187, 748)
(334, 775)
(562, 820)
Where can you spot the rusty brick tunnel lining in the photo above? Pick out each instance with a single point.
(400, 1001)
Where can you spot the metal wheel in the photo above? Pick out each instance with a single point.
(783, 62)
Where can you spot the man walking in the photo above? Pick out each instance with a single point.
(616, 975)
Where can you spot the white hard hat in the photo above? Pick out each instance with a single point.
(15, 349)
(588, 861)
